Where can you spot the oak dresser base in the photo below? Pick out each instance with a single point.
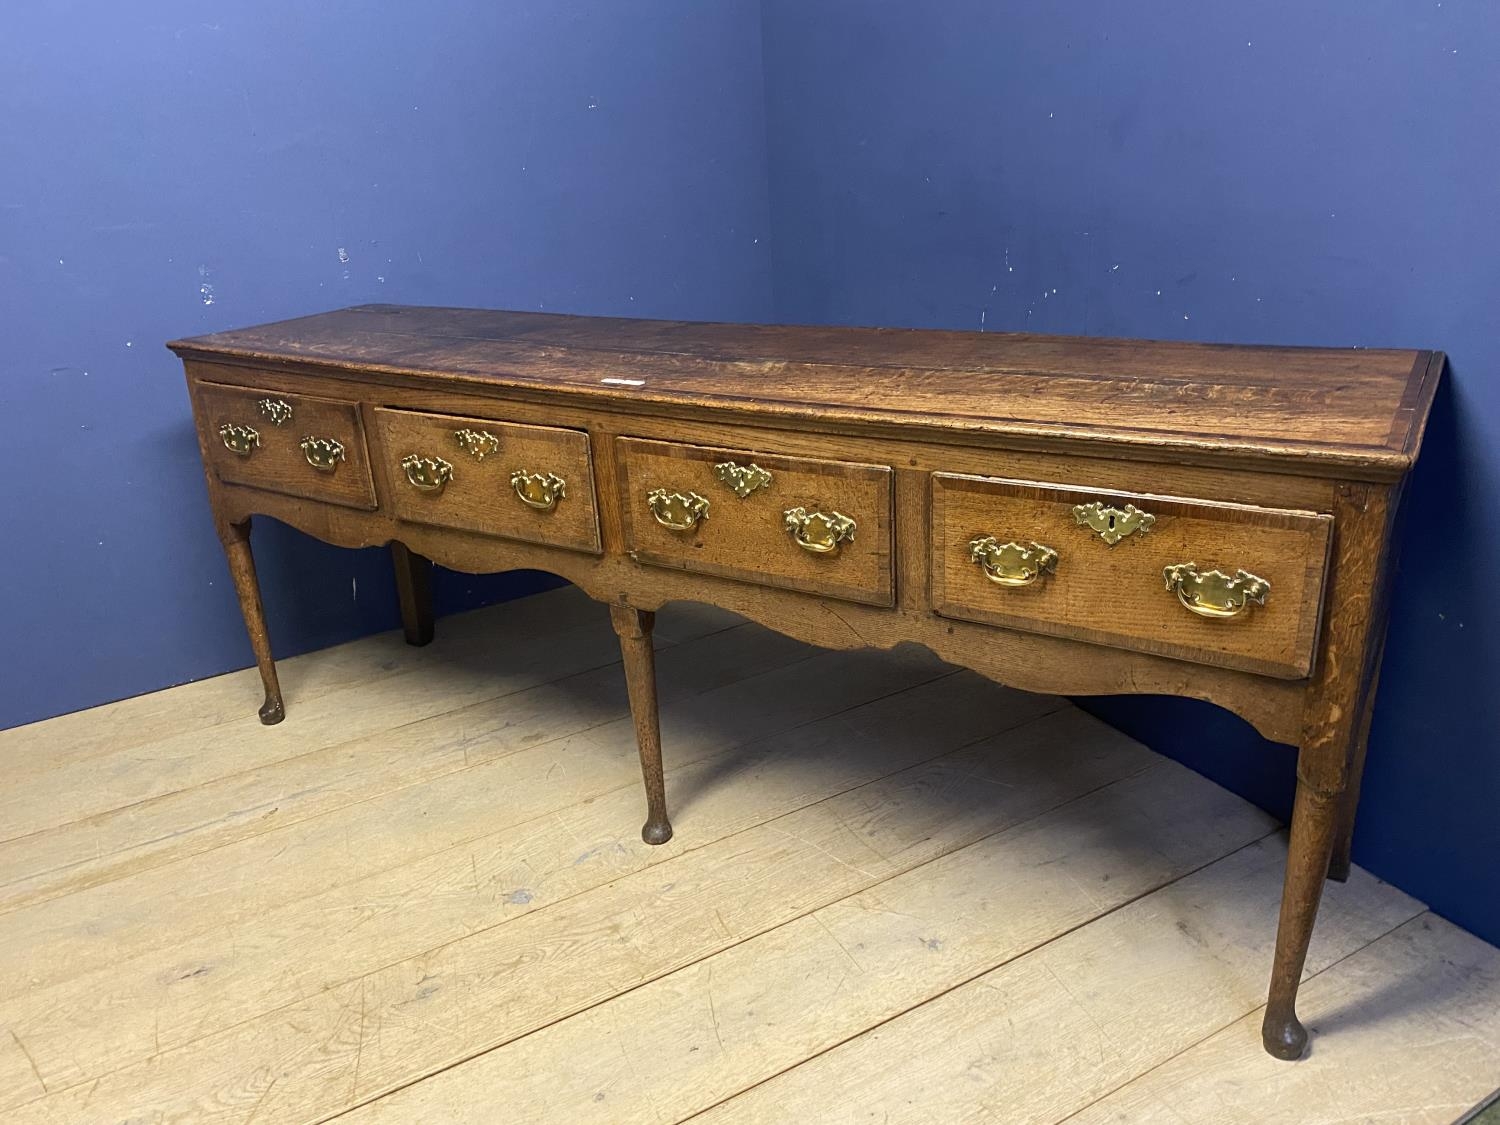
(1061, 515)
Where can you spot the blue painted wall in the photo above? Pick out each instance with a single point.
(171, 168)
(1279, 172)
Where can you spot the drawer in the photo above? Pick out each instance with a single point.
(533, 483)
(296, 444)
(819, 526)
(1158, 574)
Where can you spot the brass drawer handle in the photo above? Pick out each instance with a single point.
(1011, 564)
(819, 532)
(276, 411)
(1113, 524)
(1213, 593)
(743, 479)
(478, 444)
(243, 440)
(322, 453)
(675, 510)
(539, 490)
(427, 474)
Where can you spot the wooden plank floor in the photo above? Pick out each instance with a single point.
(897, 892)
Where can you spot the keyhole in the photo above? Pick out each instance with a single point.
(1111, 521)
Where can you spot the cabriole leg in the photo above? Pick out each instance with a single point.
(236, 540)
(634, 630)
(414, 589)
(1316, 818)
(1335, 724)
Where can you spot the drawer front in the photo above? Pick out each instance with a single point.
(1133, 571)
(296, 444)
(533, 483)
(819, 526)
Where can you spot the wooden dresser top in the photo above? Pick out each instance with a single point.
(1346, 412)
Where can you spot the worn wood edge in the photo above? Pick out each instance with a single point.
(1319, 571)
(1416, 403)
(1372, 463)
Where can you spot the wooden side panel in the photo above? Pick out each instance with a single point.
(479, 495)
(746, 537)
(275, 459)
(1116, 595)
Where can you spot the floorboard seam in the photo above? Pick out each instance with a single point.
(249, 706)
(13, 907)
(941, 675)
(999, 964)
(1223, 1027)
(6, 908)
(785, 922)
(662, 646)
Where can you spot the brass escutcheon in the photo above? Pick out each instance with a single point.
(821, 533)
(1213, 593)
(427, 474)
(243, 440)
(539, 490)
(274, 410)
(675, 510)
(743, 479)
(323, 454)
(1011, 564)
(478, 444)
(1113, 524)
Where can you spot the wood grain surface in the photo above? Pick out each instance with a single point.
(276, 461)
(1353, 412)
(480, 496)
(1115, 594)
(746, 537)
